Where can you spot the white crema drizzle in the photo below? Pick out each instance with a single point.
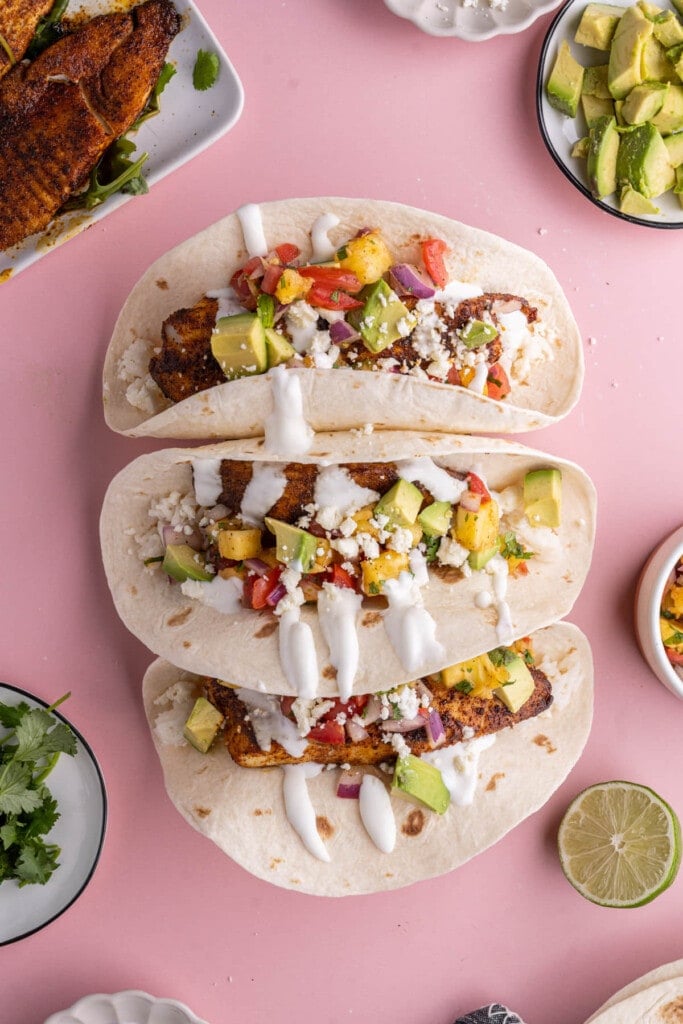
(208, 485)
(268, 723)
(338, 609)
(377, 814)
(323, 249)
(220, 594)
(409, 626)
(297, 653)
(266, 486)
(497, 568)
(251, 222)
(440, 483)
(286, 431)
(334, 488)
(228, 303)
(459, 767)
(299, 807)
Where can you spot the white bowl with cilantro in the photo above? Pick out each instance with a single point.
(129, 1007)
(50, 782)
(584, 81)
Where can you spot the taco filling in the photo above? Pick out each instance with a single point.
(360, 309)
(671, 618)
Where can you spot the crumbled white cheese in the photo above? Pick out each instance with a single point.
(451, 552)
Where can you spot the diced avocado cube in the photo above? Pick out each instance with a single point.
(238, 344)
(668, 30)
(239, 544)
(594, 107)
(643, 102)
(435, 519)
(670, 117)
(595, 82)
(400, 504)
(625, 58)
(678, 6)
(597, 25)
(421, 781)
(631, 201)
(543, 497)
(477, 531)
(643, 161)
(618, 107)
(650, 11)
(295, 547)
(675, 57)
(376, 571)
(278, 349)
(383, 319)
(202, 725)
(477, 332)
(678, 186)
(674, 145)
(603, 147)
(580, 148)
(655, 65)
(520, 685)
(478, 559)
(182, 562)
(564, 85)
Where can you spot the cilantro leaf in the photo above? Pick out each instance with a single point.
(511, 548)
(11, 716)
(16, 794)
(206, 70)
(8, 834)
(43, 818)
(431, 548)
(38, 736)
(36, 862)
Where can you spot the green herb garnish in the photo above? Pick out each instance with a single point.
(47, 31)
(511, 548)
(464, 687)
(501, 656)
(205, 72)
(265, 308)
(115, 172)
(28, 753)
(431, 547)
(675, 639)
(153, 106)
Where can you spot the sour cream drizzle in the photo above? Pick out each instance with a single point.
(266, 486)
(441, 484)
(498, 569)
(222, 595)
(299, 807)
(250, 219)
(268, 723)
(208, 485)
(297, 653)
(459, 767)
(334, 488)
(228, 303)
(478, 382)
(286, 431)
(377, 814)
(322, 246)
(409, 626)
(455, 291)
(338, 609)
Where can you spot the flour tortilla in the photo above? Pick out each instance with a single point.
(242, 810)
(238, 647)
(343, 398)
(670, 975)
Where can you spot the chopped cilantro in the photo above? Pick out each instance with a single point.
(342, 253)
(374, 588)
(501, 656)
(206, 69)
(464, 686)
(431, 548)
(675, 639)
(511, 548)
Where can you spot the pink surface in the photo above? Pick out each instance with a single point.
(341, 98)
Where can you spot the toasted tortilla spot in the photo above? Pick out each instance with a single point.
(672, 1013)
(447, 573)
(134, 590)
(324, 826)
(266, 630)
(329, 672)
(493, 781)
(371, 619)
(186, 643)
(258, 813)
(163, 284)
(414, 823)
(202, 812)
(543, 741)
(180, 617)
(274, 863)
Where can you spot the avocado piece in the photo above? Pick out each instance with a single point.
(644, 101)
(566, 79)
(477, 531)
(597, 25)
(580, 148)
(625, 58)
(655, 65)
(478, 559)
(202, 725)
(421, 781)
(400, 504)
(678, 6)
(674, 146)
(595, 82)
(181, 562)
(278, 349)
(643, 161)
(543, 497)
(239, 544)
(594, 107)
(520, 683)
(476, 333)
(670, 118)
(668, 30)
(678, 186)
(295, 547)
(383, 319)
(631, 201)
(435, 519)
(650, 11)
(675, 55)
(238, 344)
(603, 148)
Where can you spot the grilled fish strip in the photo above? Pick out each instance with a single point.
(18, 22)
(59, 114)
(458, 712)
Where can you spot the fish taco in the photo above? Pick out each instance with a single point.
(381, 791)
(383, 313)
(373, 559)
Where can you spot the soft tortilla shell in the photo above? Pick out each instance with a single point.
(671, 973)
(658, 1001)
(234, 647)
(242, 809)
(342, 399)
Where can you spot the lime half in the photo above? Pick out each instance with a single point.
(619, 844)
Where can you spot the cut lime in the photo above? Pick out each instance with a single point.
(619, 844)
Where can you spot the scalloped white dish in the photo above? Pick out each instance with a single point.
(649, 593)
(187, 123)
(78, 787)
(471, 20)
(129, 1007)
(560, 132)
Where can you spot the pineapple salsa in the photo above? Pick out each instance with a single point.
(671, 621)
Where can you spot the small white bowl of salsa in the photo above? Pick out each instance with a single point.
(659, 612)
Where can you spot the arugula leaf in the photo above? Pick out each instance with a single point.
(48, 30)
(115, 172)
(206, 70)
(153, 106)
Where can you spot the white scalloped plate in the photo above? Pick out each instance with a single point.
(472, 21)
(125, 1008)
(188, 122)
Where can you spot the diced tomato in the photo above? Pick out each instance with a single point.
(257, 588)
(287, 253)
(332, 277)
(675, 657)
(454, 376)
(353, 706)
(497, 383)
(325, 297)
(340, 577)
(254, 268)
(477, 486)
(328, 732)
(433, 250)
(245, 289)
(271, 278)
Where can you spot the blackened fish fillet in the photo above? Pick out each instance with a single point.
(18, 22)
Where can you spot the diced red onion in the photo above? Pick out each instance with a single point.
(372, 711)
(355, 732)
(409, 280)
(423, 690)
(173, 536)
(470, 501)
(340, 331)
(349, 785)
(217, 512)
(259, 270)
(436, 734)
(276, 594)
(258, 566)
(404, 724)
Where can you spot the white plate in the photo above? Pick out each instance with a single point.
(125, 1008)
(188, 122)
(473, 21)
(76, 784)
(561, 132)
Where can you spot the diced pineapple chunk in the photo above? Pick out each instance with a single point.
(323, 556)
(477, 677)
(387, 566)
(291, 286)
(673, 601)
(362, 519)
(367, 257)
(477, 531)
(239, 544)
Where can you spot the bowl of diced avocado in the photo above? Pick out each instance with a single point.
(609, 99)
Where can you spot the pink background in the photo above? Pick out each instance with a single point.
(341, 98)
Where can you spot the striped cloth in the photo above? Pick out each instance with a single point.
(494, 1013)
